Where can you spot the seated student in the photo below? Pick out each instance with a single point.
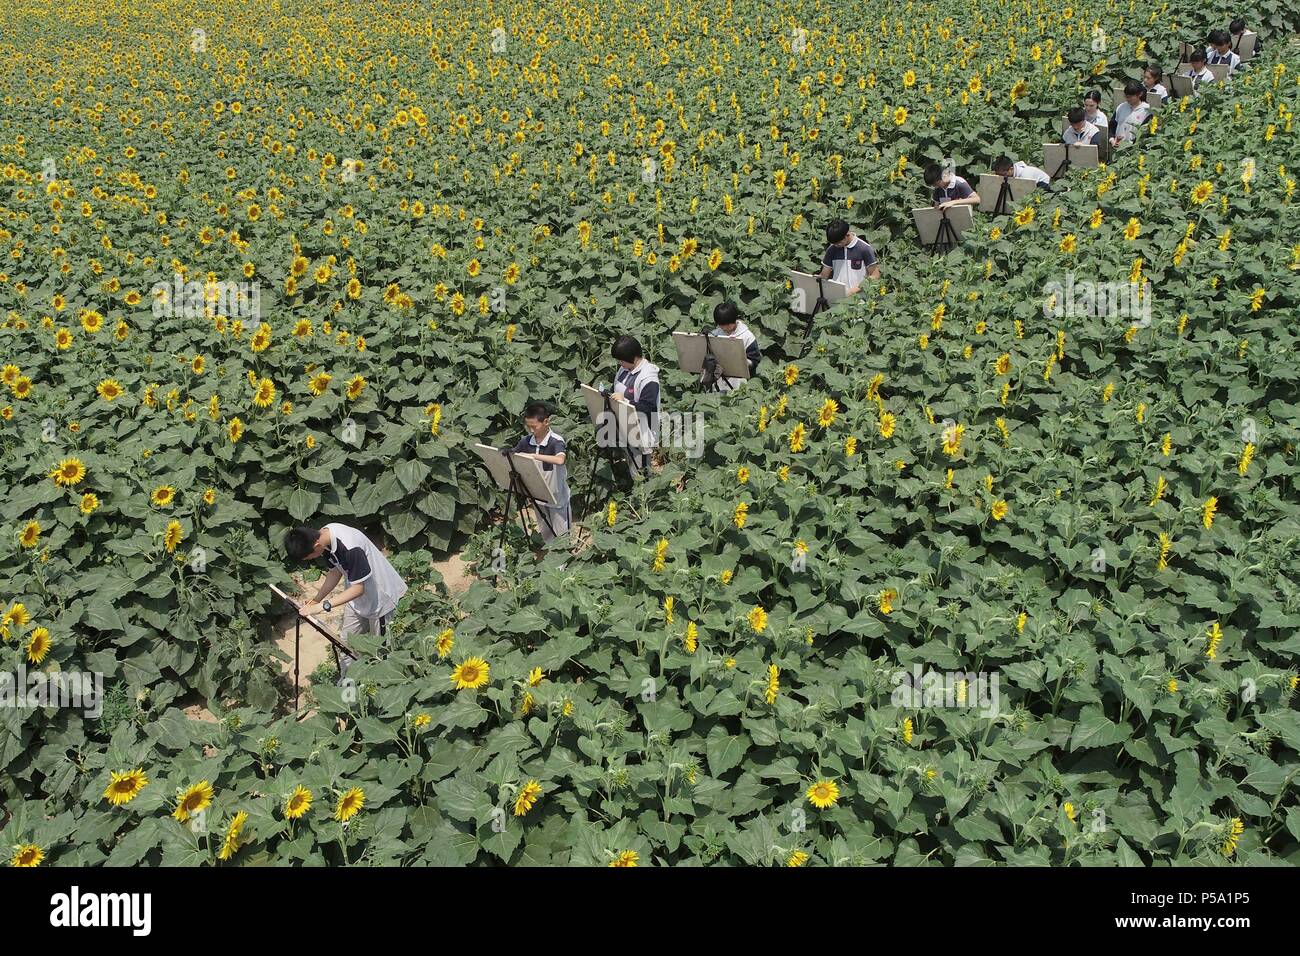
(637, 382)
(548, 447)
(1151, 78)
(1092, 110)
(949, 189)
(727, 318)
(849, 259)
(1220, 50)
(1131, 114)
(1198, 71)
(1237, 30)
(1003, 166)
(1078, 130)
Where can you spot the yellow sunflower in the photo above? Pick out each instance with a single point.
(471, 674)
(823, 794)
(162, 496)
(124, 786)
(69, 472)
(349, 804)
(298, 804)
(194, 799)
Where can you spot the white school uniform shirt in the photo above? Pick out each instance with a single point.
(1230, 58)
(1129, 118)
(557, 476)
(1160, 91)
(1025, 171)
(352, 553)
(1084, 136)
(640, 386)
(746, 337)
(1097, 119)
(1206, 75)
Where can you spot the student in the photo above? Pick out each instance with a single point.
(1151, 78)
(849, 259)
(727, 319)
(1003, 166)
(1078, 130)
(1198, 71)
(548, 447)
(1237, 30)
(1092, 110)
(949, 188)
(1131, 114)
(637, 382)
(1220, 50)
(373, 586)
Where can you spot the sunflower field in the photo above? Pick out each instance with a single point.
(267, 262)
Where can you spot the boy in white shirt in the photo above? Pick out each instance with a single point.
(548, 447)
(1003, 166)
(727, 319)
(949, 188)
(1078, 130)
(373, 586)
(849, 259)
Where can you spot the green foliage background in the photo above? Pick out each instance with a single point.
(708, 771)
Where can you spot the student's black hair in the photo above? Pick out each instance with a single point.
(1155, 68)
(626, 349)
(1075, 115)
(1001, 163)
(300, 541)
(538, 409)
(726, 313)
(1237, 26)
(1219, 38)
(1134, 88)
(1094, 95)
(836, 230)
(933, 173)
(1198, 56)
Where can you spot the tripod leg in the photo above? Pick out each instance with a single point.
(297, 656)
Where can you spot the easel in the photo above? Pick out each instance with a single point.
(336, 645)
(1002, 206)
(829, 292)
(729, 361)
(1083, 155)
(946, 238)
(500, 463)
(600, 409)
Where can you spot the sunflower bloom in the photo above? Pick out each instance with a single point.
(823, 794)
(471, 674)
(195, 799)
(527, 798)
(124, 786)
(298, 804)
(349, 805)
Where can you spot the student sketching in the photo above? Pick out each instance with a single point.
(1092, 110)
(1003, 166)
(949, 188)
(1151, 77)
(373, 586)
(1220, 51)
(1079, 131)
(849, 259)
(1237, 30)
(547, 446)
(1131, 114)
(637, 382)
(727, 319)
(1198, 71)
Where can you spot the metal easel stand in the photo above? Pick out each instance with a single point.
(1002, 206)
(522, 501)
(608, 453)
(821, 305)
(946, 237)
(336, 645)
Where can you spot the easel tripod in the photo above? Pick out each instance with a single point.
(522, 501)
(946, 237)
